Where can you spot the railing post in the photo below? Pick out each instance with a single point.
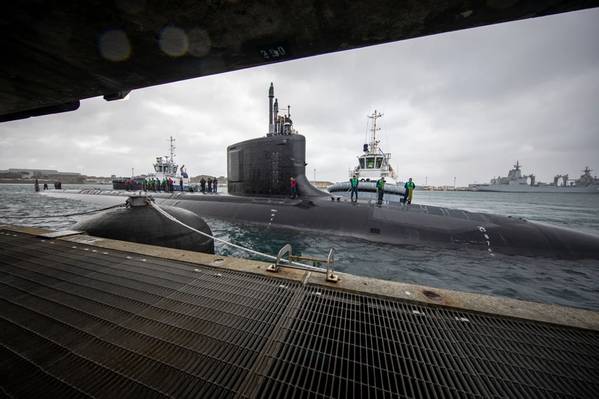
(276, 266)
(331, 276)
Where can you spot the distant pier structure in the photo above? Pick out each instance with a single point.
(23, 175)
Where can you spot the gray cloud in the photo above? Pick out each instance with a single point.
(464, 104)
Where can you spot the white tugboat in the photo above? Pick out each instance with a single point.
(165, 168)
(372, 165)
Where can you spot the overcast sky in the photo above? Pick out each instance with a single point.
(465, 104)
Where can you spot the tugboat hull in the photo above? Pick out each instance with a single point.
(367, 191)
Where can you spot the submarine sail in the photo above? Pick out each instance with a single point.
(265, 165)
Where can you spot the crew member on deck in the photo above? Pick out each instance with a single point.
(293, 185)
(203, 185)
(380, 189)
(209, 184)
(353, 185)
(409, 187)
(214, 185)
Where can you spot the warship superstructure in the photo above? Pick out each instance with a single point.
(517, 182)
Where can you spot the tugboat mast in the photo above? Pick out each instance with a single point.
(374, 142)
(172, 148)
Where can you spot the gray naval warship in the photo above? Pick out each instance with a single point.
(259, 172)
(516, 182)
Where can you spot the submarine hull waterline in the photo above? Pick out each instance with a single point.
(398, 225)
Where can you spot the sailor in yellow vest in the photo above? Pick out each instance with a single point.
(409, 186)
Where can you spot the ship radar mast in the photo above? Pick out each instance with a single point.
(517, 165)
(167, 164)
(172, 148)
(374, 143)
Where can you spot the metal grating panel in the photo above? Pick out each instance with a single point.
(345, 345)
(76, 320)
(108, 323)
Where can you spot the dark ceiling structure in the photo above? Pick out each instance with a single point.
(56, 53)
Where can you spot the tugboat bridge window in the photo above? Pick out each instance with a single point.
(361, 163)
(379, 162)
(370, 162)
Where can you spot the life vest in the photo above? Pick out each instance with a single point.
(410, 185)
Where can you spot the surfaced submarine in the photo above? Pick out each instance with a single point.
(259, 172)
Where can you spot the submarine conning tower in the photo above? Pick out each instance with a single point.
(264, 166)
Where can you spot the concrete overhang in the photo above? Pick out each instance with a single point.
(56, 54)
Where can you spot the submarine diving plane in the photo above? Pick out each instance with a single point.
(259, 172)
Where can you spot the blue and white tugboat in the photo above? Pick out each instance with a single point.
(372, 165)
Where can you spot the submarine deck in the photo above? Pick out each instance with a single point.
(83, 316)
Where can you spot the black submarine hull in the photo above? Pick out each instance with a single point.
(416, 224)
(391, 224)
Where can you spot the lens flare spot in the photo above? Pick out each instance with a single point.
(173, 41)
(114, 45)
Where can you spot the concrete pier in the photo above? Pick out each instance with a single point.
(86, 316)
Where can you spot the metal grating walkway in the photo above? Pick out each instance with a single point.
(77, 320)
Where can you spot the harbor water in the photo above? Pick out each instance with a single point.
(555, 281)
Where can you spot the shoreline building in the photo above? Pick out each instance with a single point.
(23, 175)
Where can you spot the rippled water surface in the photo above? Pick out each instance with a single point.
(570, 283)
